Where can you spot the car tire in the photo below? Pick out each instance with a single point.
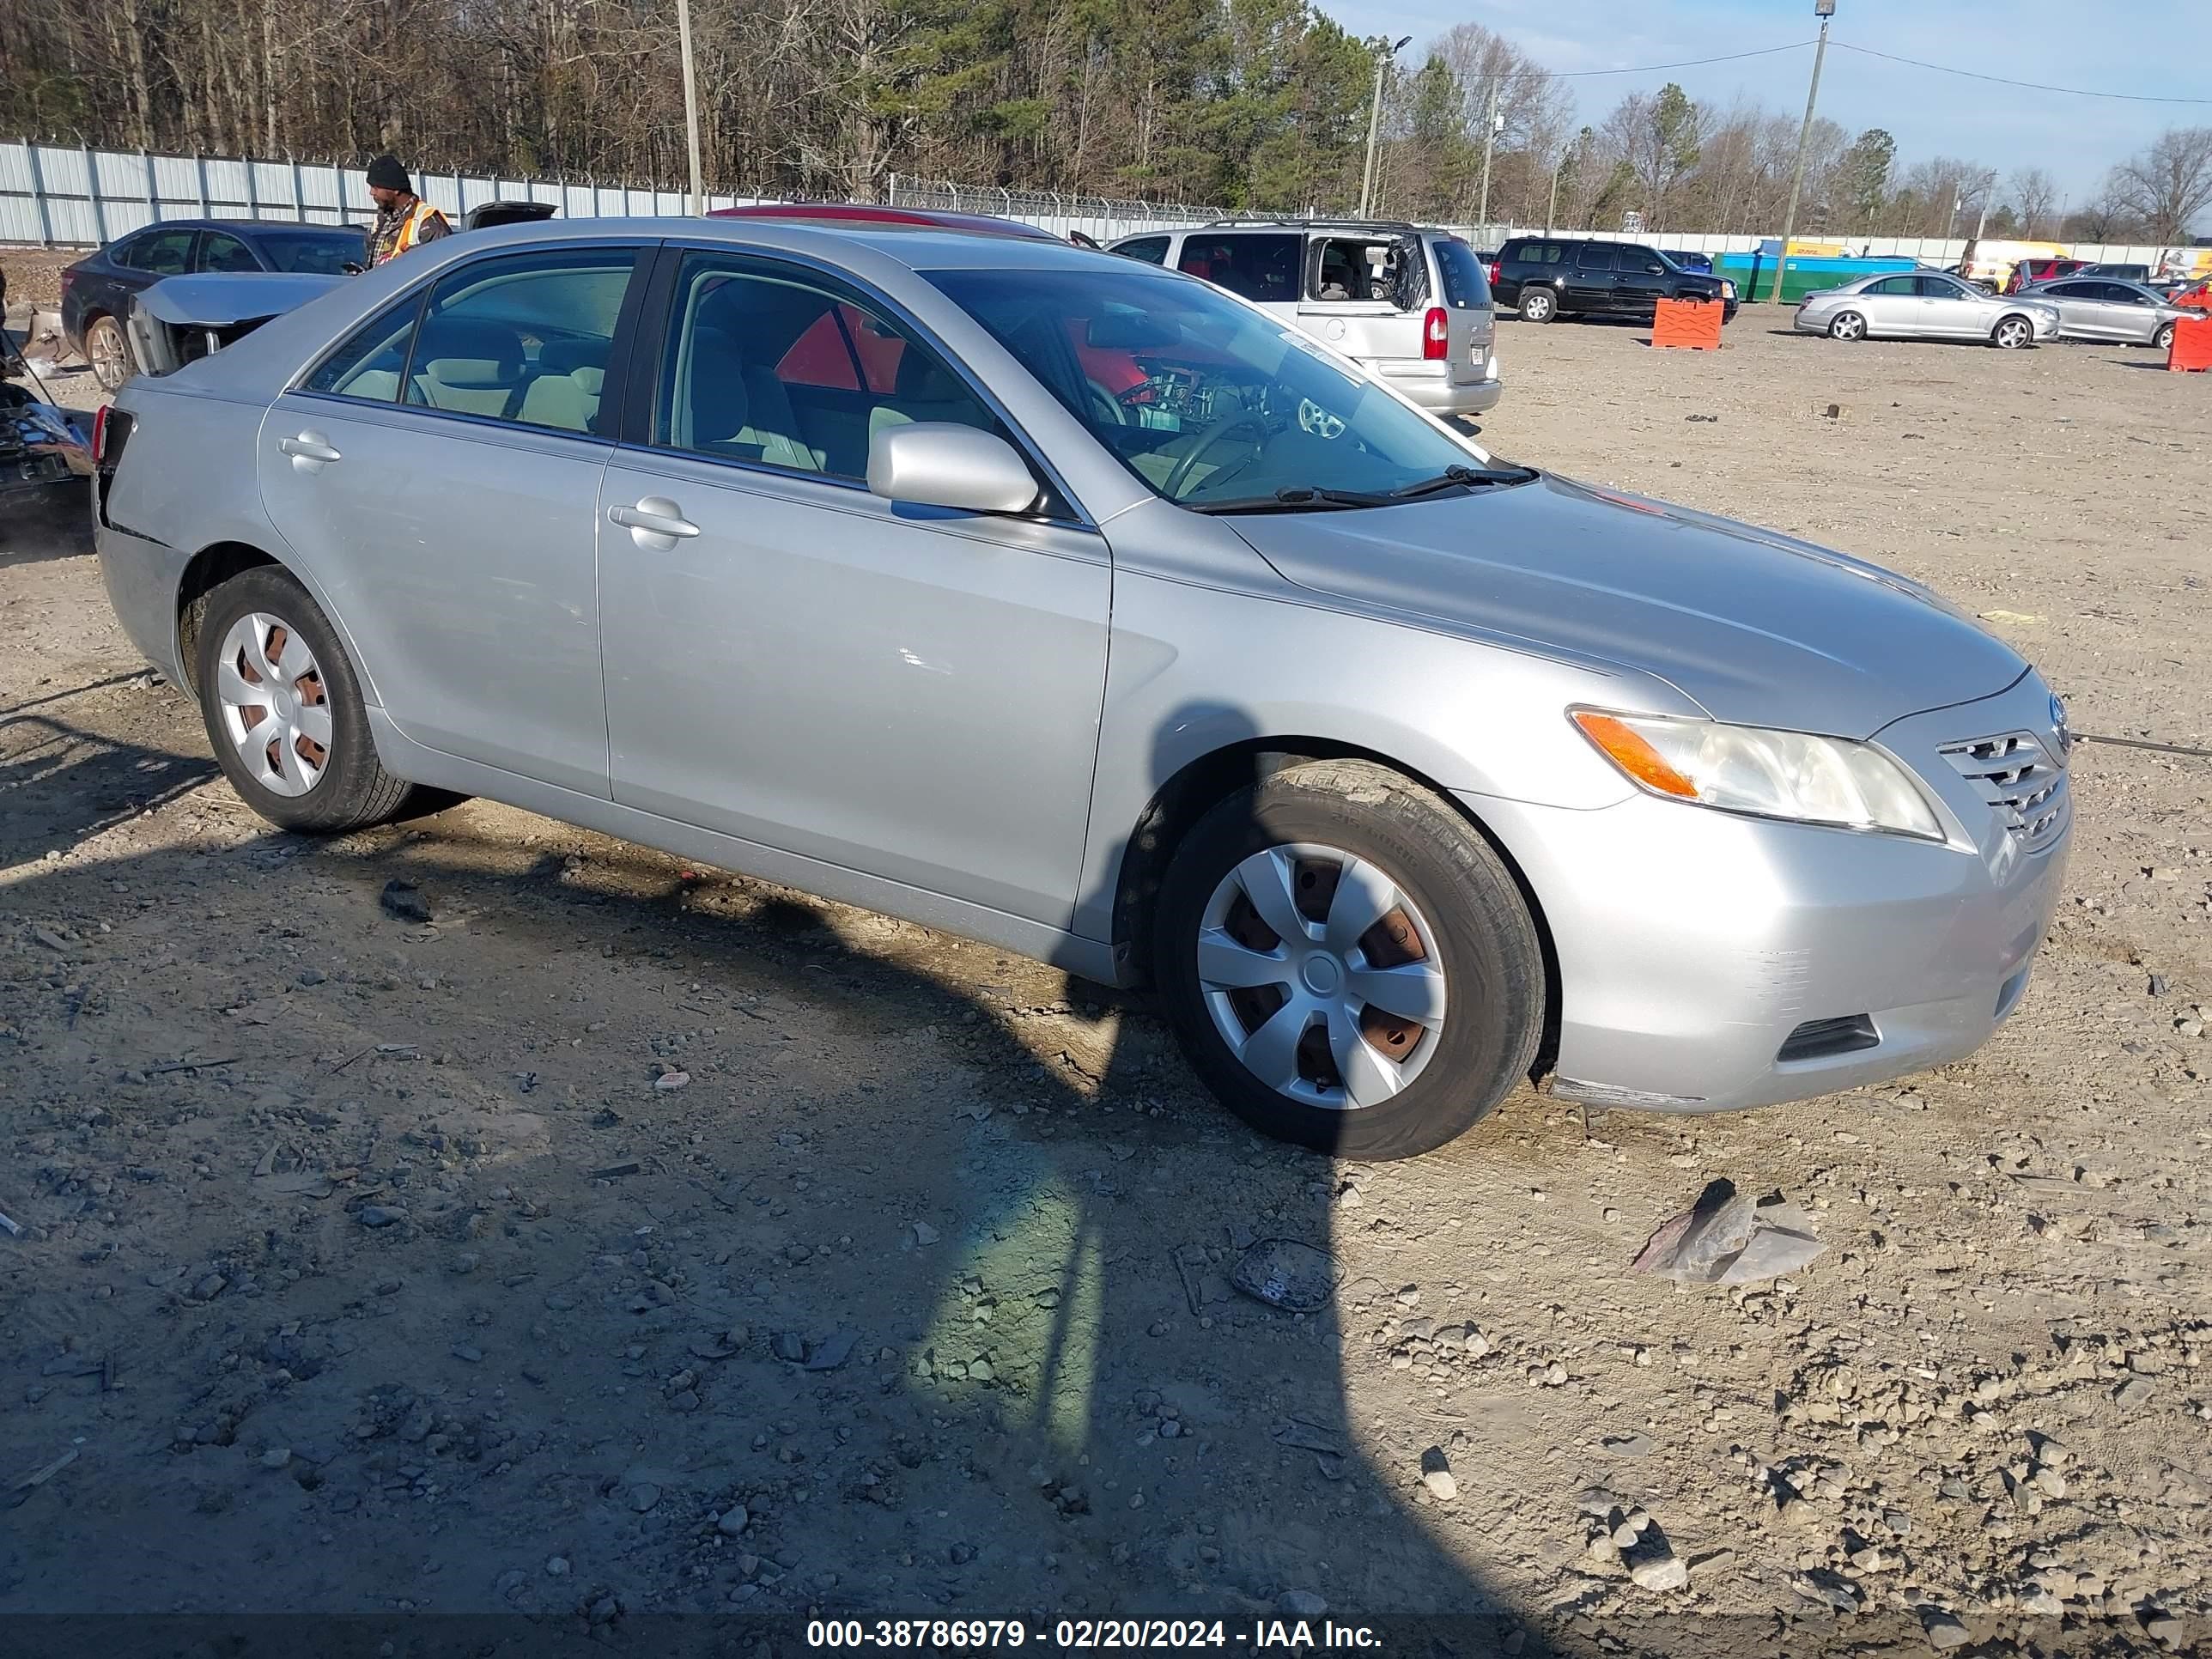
(1847, 325)
(2164, 338)
(2012, 333)
(108, 349)
(282, 778)
(1453, 934)
(1538, 305)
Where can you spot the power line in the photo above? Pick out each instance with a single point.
(1692, 63)
(2031, 86)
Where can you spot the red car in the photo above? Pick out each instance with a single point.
(866, 213)
(2040, 270)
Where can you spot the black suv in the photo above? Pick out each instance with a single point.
(1547, 276)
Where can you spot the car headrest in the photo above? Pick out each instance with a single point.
(923, 379)
(464, 351)
(567, 356)
(721, 407)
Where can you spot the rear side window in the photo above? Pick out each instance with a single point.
(525, 339)
(371, 361)
(1152, 250)
(221, 251)
(1594, 255)
(1904, 285)
(1466, 285)
(1259, 266)
(164, 253)
(1536, 254)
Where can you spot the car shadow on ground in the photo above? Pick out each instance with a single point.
(950, 1311)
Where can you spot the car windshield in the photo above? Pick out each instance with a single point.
(313, 253)
(1209, 401)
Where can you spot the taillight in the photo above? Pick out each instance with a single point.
(1436, 335)
(1496, 266)
(99, 435)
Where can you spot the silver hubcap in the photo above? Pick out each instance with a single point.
(2012, 333)
(1847, 328)
(1540, 305)
(275, 706)
(104, 347)
(1321, 975)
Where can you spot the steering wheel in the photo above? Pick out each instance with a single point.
(1226, 426)
(1105, 405)
(1318, 421)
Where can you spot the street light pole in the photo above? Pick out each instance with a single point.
(690, 102)
(1824, 10)
(1489, 143)
(1374, 116)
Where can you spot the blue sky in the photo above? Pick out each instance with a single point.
(2119, 45)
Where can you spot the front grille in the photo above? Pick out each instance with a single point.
(2017, 774)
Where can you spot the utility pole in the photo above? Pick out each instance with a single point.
(1384, 52)
(1489, 143)
(1823, 10)
(690, 102)
(1551, 207)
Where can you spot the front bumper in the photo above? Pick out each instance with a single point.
(1692, 944)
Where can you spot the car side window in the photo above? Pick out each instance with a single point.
(2118, 293)
(370, 362)
(160, 252)
(525, 339)
(1594, 255)
(1893, 285)
(1942, 288)
(1258, 265)
(781, 368)
(221, 251)
(1152, 250)
(1642, 261)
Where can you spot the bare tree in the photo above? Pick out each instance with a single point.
(2169, 183)
(2033, 196)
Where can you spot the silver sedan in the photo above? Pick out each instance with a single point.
(1926, 304)
(2105, 309)
(1082, 608)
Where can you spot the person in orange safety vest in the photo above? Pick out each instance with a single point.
(403, 220)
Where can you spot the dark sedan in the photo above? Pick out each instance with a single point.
(96, 289)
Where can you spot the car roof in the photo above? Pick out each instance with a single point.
(867, 213)
(918, 247)
(237, 227)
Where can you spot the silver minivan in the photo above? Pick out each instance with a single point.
(1410, 303)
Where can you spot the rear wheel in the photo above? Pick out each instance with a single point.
(284, 710)
(1348, 964)
(1847, 325)
(1539, 304)
(108, 351)
(2012, 333)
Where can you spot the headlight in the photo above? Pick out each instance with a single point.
(1727, 289)
(1769, 775)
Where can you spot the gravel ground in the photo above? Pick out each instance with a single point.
(628, 1238)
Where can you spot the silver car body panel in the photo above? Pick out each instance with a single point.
(962, 720)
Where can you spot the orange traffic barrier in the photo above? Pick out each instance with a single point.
(2192, 345)
(1693, 324)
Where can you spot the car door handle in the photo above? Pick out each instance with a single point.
(655, 516)
(308, 451)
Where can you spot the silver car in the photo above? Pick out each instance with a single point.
(1403, 774)
(2104, 308)
(1926, 304)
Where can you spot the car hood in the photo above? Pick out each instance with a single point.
(224, 299)
(1756, 627)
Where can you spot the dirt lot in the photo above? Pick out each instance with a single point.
(366, 1268)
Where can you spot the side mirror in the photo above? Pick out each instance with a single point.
(940, 464)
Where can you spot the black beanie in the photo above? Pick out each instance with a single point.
(385, 173)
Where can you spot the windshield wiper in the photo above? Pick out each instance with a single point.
(1453, 477)
(1291, 498)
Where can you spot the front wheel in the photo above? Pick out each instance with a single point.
(2165, 340)
(1348, 964)
(1847, 325)
(1539, 306)
(2012, 333)
(108, 350)
(284, 710)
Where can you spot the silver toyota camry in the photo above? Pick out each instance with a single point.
(1078, 607)
(1926, 304)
